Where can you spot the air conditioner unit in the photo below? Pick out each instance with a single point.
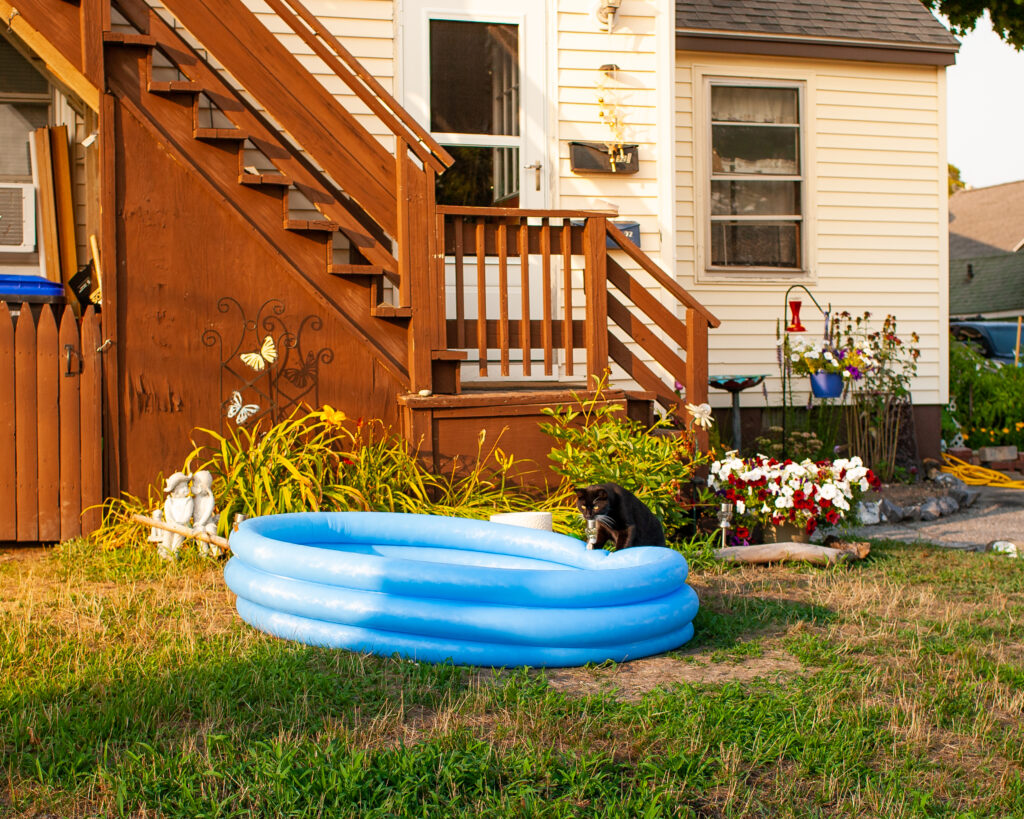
(17, 217)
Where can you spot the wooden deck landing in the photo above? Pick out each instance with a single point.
(449, 426)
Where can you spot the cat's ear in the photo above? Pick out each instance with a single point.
(601, 494)
(580, 492)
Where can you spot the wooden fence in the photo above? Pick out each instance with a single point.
(50, 424)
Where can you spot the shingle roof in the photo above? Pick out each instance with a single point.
(996, 286)
(888, 21)
(986, 221)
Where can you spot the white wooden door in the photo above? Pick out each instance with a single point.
(475, 74)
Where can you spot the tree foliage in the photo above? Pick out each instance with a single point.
(955, 182)
(1007, 17)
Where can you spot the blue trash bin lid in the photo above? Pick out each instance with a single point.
(15, 287)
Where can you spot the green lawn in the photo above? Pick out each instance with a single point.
(894, 687)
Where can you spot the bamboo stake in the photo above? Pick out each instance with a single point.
(1016, 350)
(181, 530)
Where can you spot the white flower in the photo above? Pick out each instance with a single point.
(701, 414)
(741, 507)
(794, 357)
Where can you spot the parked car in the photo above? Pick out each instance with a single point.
(995, 339)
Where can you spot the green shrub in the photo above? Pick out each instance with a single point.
(597, 443)
(989, 399)
(317, 461)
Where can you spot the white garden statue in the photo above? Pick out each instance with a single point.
(190, 504)
(177, 509)
(204, 510)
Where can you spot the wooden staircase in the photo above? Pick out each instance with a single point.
(210, 83)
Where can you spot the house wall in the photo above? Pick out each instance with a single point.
(635, 46)
(875, 209)
(366, 28)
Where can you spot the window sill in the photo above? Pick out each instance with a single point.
(768, 275)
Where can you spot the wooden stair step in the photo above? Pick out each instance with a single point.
(257, 179)
(391, 311)
(356, 270)
(174, 87)
(231, 134)
(449, 355)
(315, 225)
(128, 38)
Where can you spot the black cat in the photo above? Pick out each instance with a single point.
(615, 514)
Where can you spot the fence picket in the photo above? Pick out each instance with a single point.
(8, 397)
(92, 422)
(26, 456)
(70, 428)
(48, 426)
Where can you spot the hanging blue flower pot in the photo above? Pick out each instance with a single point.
(827, 385)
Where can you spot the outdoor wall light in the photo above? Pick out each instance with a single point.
(606, 10)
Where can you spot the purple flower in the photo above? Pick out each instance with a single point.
(678, 387)
(855, 373)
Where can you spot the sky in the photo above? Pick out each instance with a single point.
(984, 114)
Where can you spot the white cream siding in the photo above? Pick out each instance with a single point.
(581, 48)
(875, 210)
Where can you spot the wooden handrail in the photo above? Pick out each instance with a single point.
(517, 213)
(333, 136)
(362, 83)
(659, 275)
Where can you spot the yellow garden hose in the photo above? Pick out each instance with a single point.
(978, 475)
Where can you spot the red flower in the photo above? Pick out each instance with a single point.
(742, 532)
(812, 524)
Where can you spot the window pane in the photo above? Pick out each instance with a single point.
(480, 177)
(745, 197)
(755, 244)
(17, 122)
(740, 103)
(474, 78)
(747, 149)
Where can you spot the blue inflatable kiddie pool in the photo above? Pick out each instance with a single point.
(473, 592)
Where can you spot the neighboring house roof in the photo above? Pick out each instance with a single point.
(986, 221)
(996, 285)
(893, 23)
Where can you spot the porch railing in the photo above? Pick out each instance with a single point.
(545, 285)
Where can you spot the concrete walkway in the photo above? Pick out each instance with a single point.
(998, 514)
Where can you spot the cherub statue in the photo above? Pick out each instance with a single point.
(177, 509)
(203, 510)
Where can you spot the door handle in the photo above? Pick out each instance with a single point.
(536, 166)
(70, 351)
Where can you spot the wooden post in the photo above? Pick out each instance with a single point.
(110, 265)
(92, 422)
(95, 19)
(1016, 350)
(414, 261)
(595, 285)
(697, 364)
(64, 212)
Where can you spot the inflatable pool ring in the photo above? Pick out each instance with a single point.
(438, 588)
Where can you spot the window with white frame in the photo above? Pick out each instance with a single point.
(756, 176)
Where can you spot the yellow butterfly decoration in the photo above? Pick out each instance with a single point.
(267, 354)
